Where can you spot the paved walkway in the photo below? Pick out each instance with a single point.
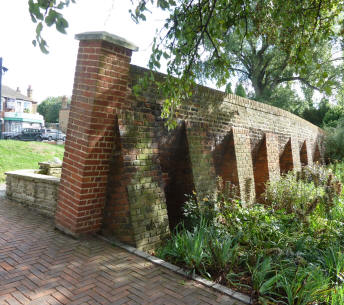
(39, 265)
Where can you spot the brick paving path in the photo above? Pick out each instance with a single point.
(39, 265)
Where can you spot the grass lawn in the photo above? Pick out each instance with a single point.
(25, 155)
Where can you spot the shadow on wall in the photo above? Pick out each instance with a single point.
(317, 155)
(304, 154)
(260, 167)
(286, 159)
(176, 171)
(225, 161)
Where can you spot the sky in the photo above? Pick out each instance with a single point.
(53, 74)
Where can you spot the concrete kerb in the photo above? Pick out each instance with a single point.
(155, 260)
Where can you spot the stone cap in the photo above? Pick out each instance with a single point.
(49, 165)
(112, 38)
(29, 174)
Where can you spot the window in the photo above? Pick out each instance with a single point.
(11, 103)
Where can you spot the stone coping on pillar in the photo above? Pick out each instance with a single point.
(105, 36)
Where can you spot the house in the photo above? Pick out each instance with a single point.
(18, 111)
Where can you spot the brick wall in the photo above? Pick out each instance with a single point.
(126, 175)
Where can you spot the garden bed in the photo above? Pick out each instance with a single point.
(289, 250)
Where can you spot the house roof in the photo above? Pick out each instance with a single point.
(10, 93)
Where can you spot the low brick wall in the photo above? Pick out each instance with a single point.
(34, 190)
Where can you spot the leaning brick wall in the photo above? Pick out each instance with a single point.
(212, 115)
(123, 170)
(259, 133)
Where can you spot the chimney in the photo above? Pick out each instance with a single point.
(29, 92)
(18, 89)
(64, 102)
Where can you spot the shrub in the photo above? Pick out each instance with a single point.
(335, 142)
(303, 192)
(293, 195)
(289, 251)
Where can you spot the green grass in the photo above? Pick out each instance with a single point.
(16, 155)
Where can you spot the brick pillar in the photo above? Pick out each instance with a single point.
(296, 153)
(200, 150)
(243, 155)
(273, 155)
(309, 147)
(100, 86)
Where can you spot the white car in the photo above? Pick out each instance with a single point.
(53, 134)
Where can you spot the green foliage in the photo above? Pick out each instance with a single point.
(334, 142)
(189, 247)
(279, 253)
(201, 247)
(324, 115)
(303, 285)
(338, 170)
(229, 88)
(283, 96)
(332, 260)
(218, 39)
(301, 193)
(16, 155)
(316, 115)
(264, 279)
(47, 12)
(332, 116)
(240, 90)
(50, 108)
(223, 250)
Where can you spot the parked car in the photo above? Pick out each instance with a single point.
(53, 134)
(29, 134)
(7, 135)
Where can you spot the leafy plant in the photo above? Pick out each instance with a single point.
(223, 251)
(332, 260)
(335, 142)
(264, 279)
(303, 192)
(188, 247)
(303, 285)
(287, 252)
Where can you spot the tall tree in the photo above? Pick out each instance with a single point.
(266, 65)
(268, 42)
(240, 90)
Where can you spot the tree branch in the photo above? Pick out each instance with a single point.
(301, 79)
